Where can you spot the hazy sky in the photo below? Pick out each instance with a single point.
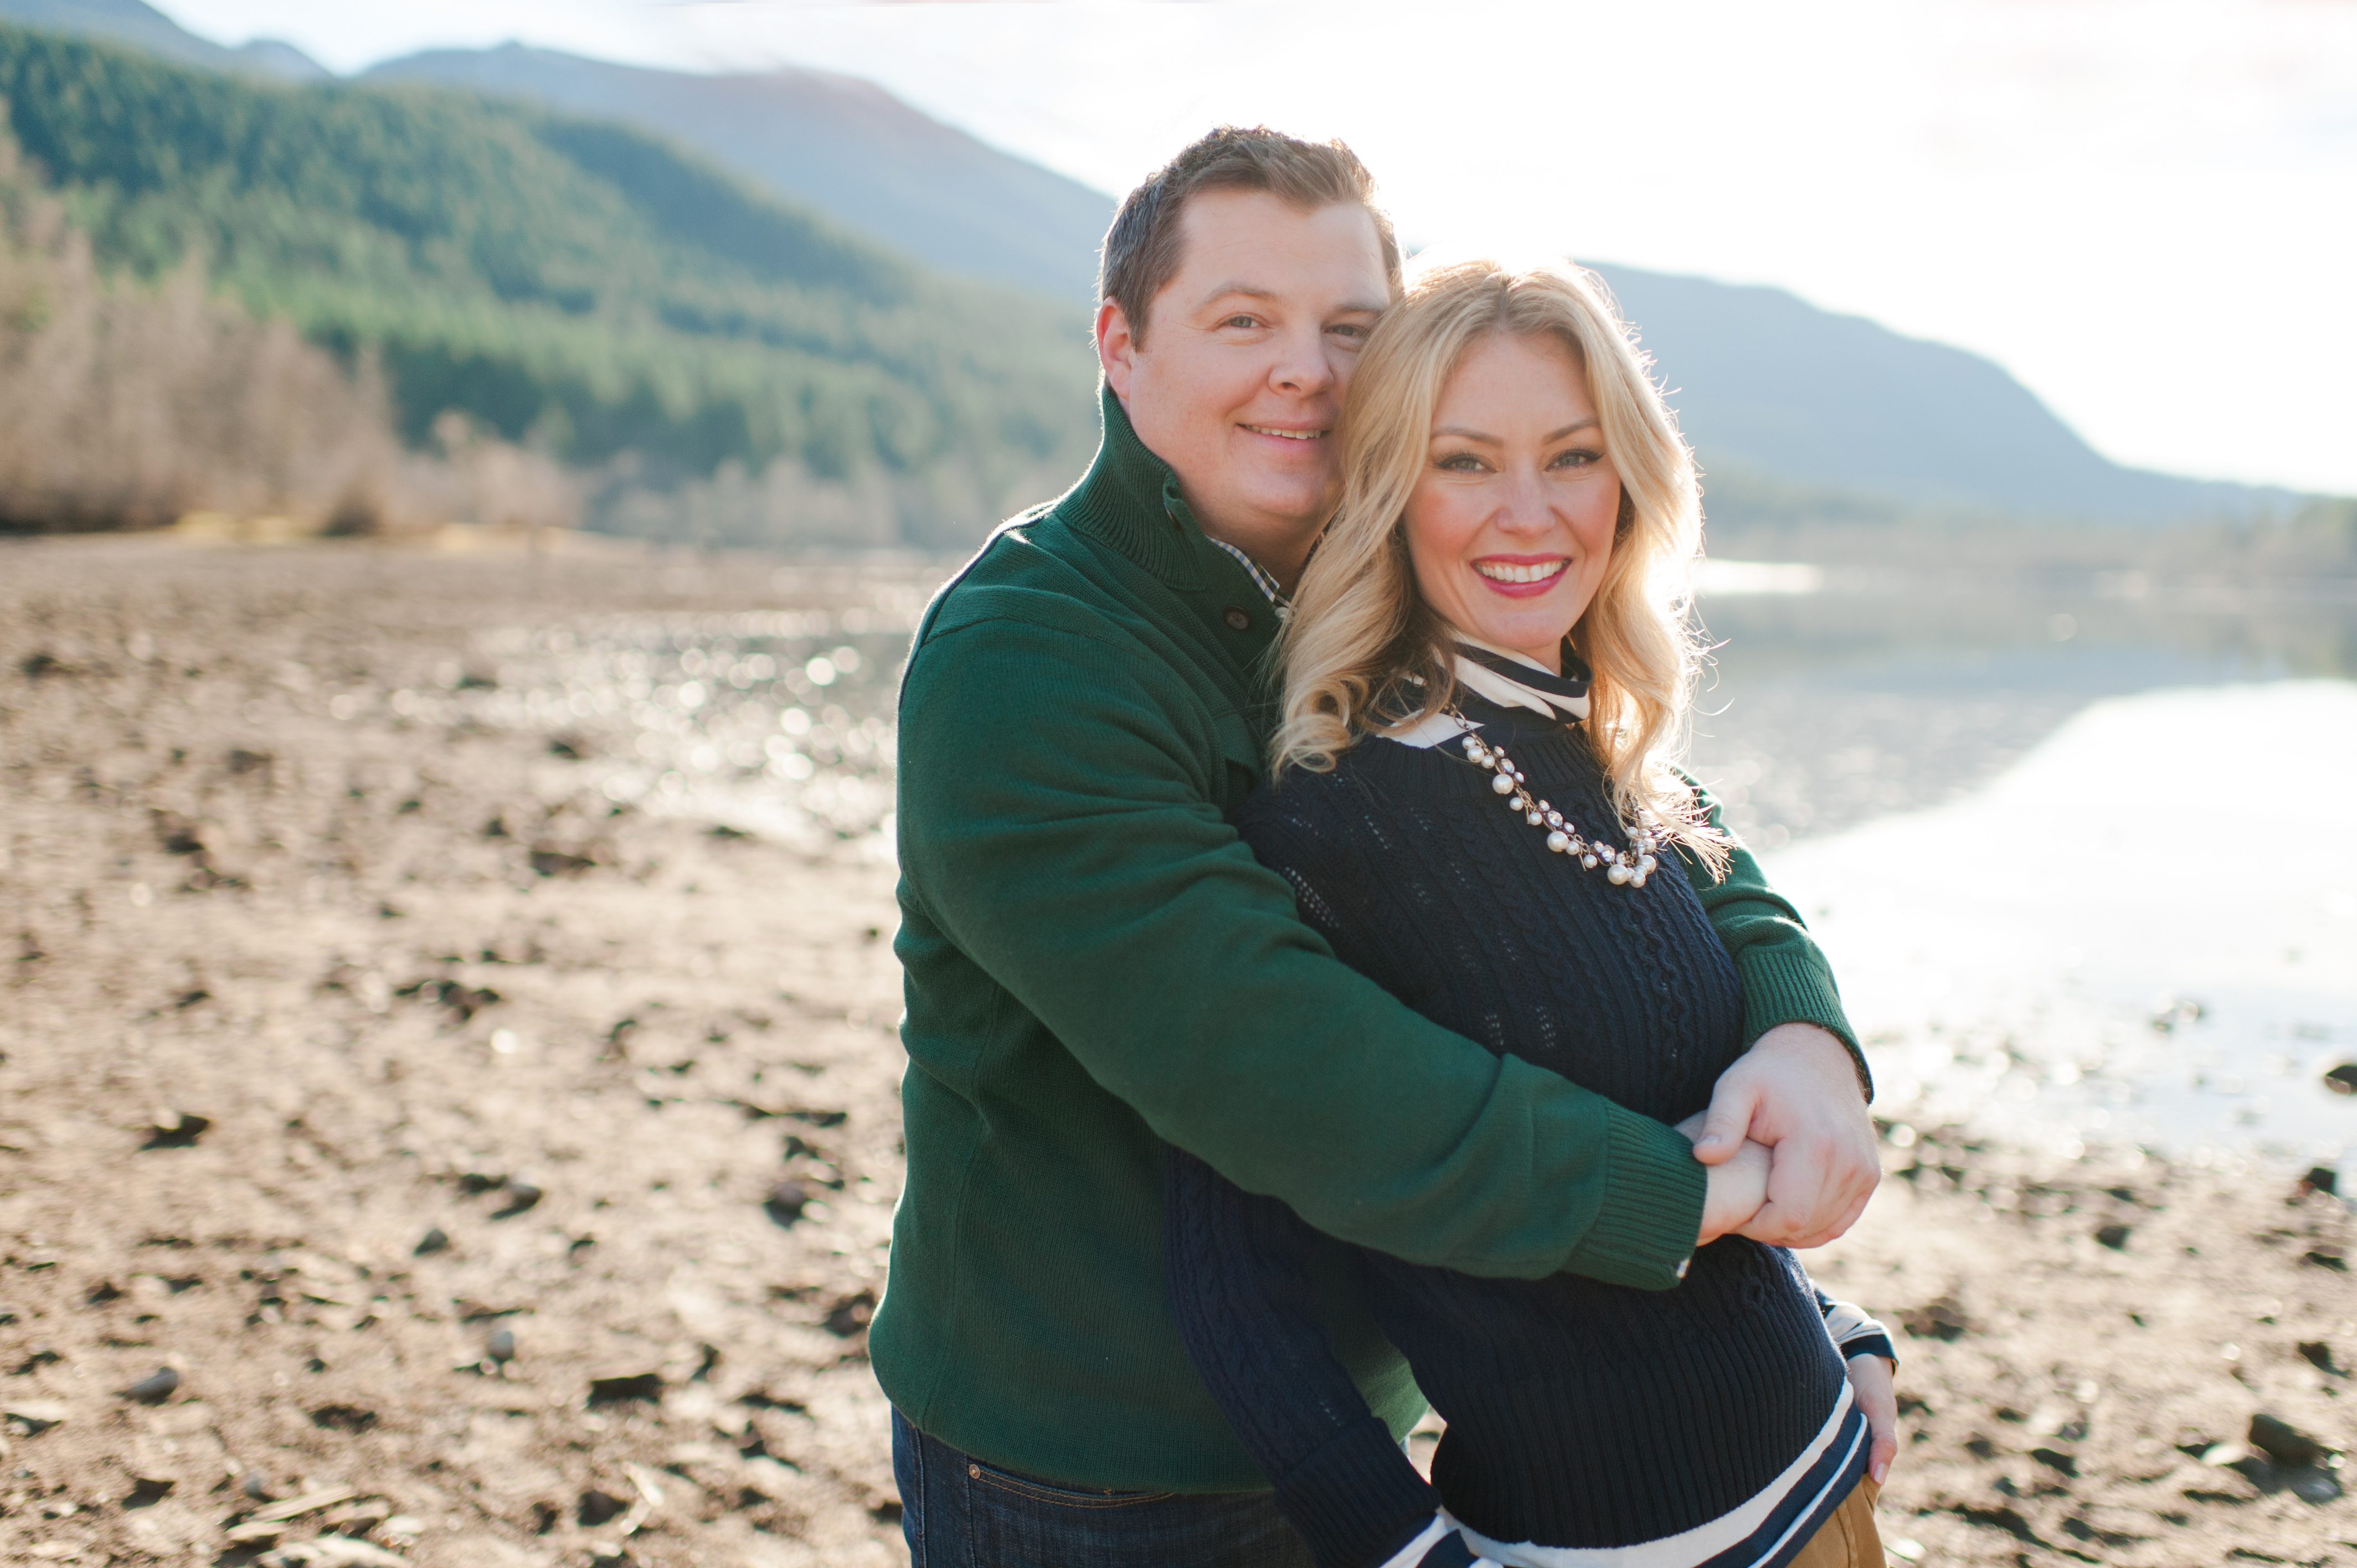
(2147, 210)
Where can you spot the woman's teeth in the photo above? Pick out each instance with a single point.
(1505, 572)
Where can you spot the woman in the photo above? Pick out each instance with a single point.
(1485, 660)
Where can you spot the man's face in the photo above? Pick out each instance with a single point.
(1248, 350)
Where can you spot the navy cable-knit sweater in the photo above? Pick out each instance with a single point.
(1712, 1420)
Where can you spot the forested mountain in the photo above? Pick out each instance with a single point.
(576, 284)
(845, 147)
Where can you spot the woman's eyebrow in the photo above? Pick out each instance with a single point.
(1465, 433)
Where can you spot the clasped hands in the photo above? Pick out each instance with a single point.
(1791, 1160)
(1788, 1141)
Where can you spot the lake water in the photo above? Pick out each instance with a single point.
(2056, 835)
(2075, 849)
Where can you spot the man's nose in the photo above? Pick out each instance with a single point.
(1302, 367)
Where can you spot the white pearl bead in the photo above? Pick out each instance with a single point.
(1534, 818)
(1557, 842)
(1619, 874)
(1645, 866)
(1504, 784)
(1588, 861)
(1637, 879)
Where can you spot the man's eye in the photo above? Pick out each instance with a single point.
(1245, 321)
(1349, 329)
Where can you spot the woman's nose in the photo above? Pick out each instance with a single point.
(1524, 508)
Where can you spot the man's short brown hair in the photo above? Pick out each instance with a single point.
(1141, 249)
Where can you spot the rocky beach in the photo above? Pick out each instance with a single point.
(449, 1111)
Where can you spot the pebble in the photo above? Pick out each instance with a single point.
(154, 1389)
(332, 1552)
(34, 1416)
(433, 1242)
(786, 1202)
(2342, 1079)
(176, 1130)
(501, 1345)
(1940, 1318)
(521, 1195)
(148, 1490)
(621, 1386)
(851, 1314)
(2116, 1237)
(2284, 1443)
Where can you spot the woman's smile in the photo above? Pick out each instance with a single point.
(1522, 577)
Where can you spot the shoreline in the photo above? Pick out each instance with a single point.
(280, 1007)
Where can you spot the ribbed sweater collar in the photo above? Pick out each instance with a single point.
(1129, 501)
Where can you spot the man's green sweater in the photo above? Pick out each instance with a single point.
(1097, 968)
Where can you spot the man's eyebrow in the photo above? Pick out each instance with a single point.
(1227, 289)
(1250, 291)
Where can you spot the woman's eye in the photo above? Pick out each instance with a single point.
(1245, 321)
(1461, 463)
(1578, 457)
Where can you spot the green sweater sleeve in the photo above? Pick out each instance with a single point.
(1058, 824)
(1786, 979)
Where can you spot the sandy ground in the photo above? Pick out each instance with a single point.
(381, 1001)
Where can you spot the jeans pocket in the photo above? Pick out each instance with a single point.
(1054, 1496)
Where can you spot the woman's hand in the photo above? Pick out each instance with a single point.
(1869, 1376)
(1734, 1190)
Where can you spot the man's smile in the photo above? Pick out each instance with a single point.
(1285, 435)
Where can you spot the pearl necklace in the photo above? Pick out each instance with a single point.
(1627, 867)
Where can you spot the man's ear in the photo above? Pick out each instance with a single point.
(1117, 350)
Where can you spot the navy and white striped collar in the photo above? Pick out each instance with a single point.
(1514, 680)
(1497, 683)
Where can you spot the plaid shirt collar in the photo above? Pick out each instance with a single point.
(1261, 579)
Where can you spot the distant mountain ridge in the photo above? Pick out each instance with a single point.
(1767, 384)
(840, 143)
(1781, 400)
(145, 27)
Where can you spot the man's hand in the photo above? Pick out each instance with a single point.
(1869, 1378)
(1796, 1090)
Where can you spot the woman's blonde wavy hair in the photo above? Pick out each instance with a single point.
(1362, 650)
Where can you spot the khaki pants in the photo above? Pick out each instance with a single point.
(1848, 1540)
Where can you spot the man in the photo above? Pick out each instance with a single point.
(1097, 968)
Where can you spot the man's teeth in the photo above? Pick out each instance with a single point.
(1288, 435)
(1503, 572)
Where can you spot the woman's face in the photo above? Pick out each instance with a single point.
(1509, 526)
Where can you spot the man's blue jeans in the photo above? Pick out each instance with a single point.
(958, 1512)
